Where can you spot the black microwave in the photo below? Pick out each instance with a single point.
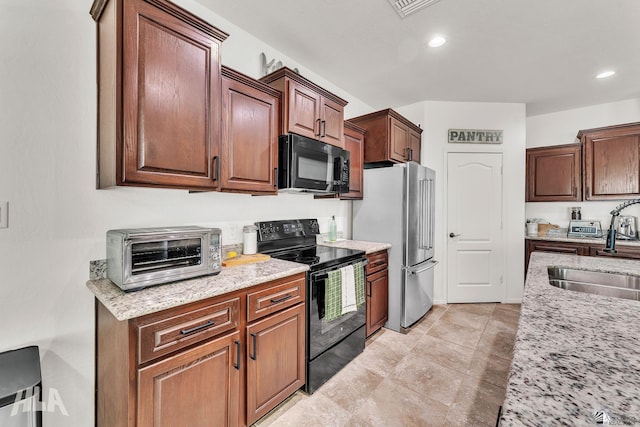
(306, 165)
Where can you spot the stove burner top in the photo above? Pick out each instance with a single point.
(295, 240)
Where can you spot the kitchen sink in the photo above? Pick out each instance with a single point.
(618, 285)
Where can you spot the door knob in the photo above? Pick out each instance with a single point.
(452, 235)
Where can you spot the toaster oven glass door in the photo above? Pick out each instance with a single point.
(149, 257)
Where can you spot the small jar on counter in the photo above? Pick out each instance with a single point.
(249, 239)
(575, 213)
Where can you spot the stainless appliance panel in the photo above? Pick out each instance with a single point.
(417, 292)
(419, 199)
(375, 218)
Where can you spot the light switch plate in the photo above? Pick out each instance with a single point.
(4, 214)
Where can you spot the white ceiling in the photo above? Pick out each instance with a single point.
(544, 53)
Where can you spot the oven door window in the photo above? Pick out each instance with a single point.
(323, 334)
(149, 257)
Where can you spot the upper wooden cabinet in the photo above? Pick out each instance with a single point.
(611, 162)
(390, 137)
(158, 95)
(250, 130)
(308, 109)
(354, 137)
(553, 173)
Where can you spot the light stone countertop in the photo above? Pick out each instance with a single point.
(128, 305)
(575, 353)
(600, 241)
(368, 247)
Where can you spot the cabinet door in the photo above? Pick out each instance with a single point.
(332, 122)
(398, 140)
(612, 166)
(555, 247)
(198, 387)
(377, 300)
(303, 112)
(275, 360)
(249, 144)
(415, 144)
(171, 100)
(553, 174)
(622, 252)
(354, 144)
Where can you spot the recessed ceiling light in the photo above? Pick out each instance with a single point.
(437, 41)
(605, 74)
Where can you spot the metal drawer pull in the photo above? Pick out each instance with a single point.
(237, 365)
(197, 328)
(255, 346)
(284, 298)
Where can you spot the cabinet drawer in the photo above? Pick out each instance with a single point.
(284, 294)
(165, 335)
(377, 261)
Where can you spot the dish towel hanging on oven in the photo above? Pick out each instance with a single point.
(333, 290)
(348, 290)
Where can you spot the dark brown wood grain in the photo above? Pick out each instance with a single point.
(354, 137)
(158, 95)
(611, 162)
(308, 109)
(377, 291)
(391, 137)
(275, 360)
(554, 173)
(250, 130)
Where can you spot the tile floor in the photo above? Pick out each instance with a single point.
(449, 369)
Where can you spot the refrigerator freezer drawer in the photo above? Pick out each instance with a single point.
(417, 292)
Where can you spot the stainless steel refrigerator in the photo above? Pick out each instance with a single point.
(398, 208)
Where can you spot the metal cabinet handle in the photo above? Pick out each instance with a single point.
(284, 298)
(324, 128)
(275, 177)
(197, 328)
(319, 122)
(255, 346)
(452, 235)
(410, 154)
(237, 364)
(216, 168)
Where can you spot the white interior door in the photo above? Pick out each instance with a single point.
(474, 234)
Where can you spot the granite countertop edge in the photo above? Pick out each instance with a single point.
(129, 305)
(600, 241)
(367, 247)
(575, 353)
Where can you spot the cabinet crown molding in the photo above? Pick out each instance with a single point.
(622, 128)
(292, 75)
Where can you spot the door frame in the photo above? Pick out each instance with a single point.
(503, 273)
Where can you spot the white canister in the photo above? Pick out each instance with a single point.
(249, 239)
(532, 229)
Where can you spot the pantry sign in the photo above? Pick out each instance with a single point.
(475, 136)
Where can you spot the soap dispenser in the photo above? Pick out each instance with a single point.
(332, 229)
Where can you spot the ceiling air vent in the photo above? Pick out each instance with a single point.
(407, 7)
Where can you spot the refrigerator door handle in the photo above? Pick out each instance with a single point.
(432, 263)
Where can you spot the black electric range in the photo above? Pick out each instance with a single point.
(295, 240)
(330, 345)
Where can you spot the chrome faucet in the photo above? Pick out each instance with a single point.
(610, 246)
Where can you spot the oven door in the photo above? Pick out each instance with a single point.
(307, 165)
(325, 334)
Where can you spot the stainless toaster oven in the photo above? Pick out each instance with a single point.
(138, 258)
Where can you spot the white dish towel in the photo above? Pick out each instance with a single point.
(348, 289)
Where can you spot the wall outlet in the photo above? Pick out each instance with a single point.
(4, 214)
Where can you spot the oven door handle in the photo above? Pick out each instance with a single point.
(323, 274)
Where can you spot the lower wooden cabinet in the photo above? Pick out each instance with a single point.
(377, 297)
(576, 248)
(275, 360)
(223, 361)
(198, 387)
